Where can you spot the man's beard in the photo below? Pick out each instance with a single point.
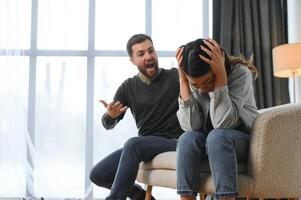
(144, 70)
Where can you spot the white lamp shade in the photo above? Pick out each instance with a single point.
(287, 60)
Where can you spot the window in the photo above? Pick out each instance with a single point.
(60, 126)
(174, 23)
(63, 24)
(116, 21)
(57, 59)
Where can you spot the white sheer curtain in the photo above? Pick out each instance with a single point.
(60, 127)
(57, 59)
(13, 125)
(13, 98)
(50, 160)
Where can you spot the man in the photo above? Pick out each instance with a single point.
(152, 97)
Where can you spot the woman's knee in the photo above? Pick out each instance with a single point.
(190, 143)
(218, 140)
(188, 138)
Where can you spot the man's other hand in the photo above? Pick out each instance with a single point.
(114, 109)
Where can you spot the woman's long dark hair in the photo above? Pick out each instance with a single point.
(194, 66)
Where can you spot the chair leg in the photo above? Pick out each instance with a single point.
(202, 196)
(148, 195)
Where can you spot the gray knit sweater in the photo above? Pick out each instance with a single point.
(153, 105)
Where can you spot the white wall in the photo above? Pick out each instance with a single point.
(294, 36)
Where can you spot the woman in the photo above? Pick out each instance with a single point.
(217, 110)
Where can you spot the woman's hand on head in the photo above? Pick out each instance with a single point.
(179, 57)
(216, 62)
(184, 84)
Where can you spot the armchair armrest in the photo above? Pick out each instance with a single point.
(275, 152)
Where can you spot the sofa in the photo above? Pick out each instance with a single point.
(273, 169)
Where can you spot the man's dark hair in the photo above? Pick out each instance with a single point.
(136, 39)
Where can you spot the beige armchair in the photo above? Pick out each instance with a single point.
(272, 171)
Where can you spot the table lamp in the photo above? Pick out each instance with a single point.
(287, 62)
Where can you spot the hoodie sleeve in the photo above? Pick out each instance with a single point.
(189, 114)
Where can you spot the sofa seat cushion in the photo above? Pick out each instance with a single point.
(167, 161)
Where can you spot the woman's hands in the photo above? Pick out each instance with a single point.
(184, 84)
(217, 62)
(179, 57)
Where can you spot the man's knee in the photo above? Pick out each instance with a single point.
(99, 177)
(95, 177)
(133, 144)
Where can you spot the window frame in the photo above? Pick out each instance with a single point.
(91, 53)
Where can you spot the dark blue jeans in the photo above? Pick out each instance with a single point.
(118, 171)
(223, 148)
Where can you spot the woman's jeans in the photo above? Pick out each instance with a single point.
(118, 171)
(223, 148)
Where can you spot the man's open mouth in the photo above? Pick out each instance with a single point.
(150, 65)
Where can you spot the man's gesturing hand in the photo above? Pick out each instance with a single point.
(114, 109)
